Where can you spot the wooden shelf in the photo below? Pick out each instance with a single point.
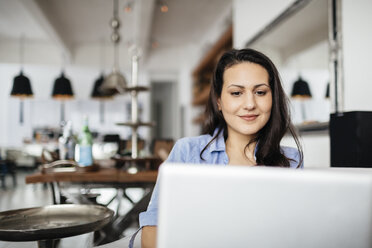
(203, 72)
(199, 119)
(201, 97)
(136, 124)
(314, 126)
(147, 163)
(137, 88)
(210, 59)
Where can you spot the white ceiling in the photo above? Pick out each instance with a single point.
(73, 23)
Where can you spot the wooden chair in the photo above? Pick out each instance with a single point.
(162, 148)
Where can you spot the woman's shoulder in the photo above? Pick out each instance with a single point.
(293, 155)
(288, 151)
(196, 141)
(188, 148)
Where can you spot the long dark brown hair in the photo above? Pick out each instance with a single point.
(268, 147)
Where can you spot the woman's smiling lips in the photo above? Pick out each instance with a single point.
(248, 117)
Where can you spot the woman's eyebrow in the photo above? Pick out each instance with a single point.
(242, 86)
(236, 85)
(259, 85)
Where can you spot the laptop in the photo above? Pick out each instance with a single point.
(260, 207)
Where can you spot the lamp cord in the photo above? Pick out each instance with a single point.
(101, 55)
(116, 49)
(21, 51)
(63, 62)
(115, 8)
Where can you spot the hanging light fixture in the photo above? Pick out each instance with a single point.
(301, 89)
(101, 96)
(62, 90)
(21, 84)
(97, 94)
(21, 89)
(115, 82)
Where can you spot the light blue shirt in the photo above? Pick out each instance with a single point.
(187, 150)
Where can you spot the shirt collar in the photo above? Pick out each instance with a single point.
(219, 143)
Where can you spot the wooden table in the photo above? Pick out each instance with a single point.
(103, 178)
(103, 175)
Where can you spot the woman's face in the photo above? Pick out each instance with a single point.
(246, 99)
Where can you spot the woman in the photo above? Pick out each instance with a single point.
(247, 116)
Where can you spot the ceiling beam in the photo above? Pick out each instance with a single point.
(44, 21)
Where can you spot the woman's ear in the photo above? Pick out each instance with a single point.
(219, 104)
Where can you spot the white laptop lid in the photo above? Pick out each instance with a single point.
(236, 206)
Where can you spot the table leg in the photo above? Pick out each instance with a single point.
(56, 193)
(49, 243)
(127, 197)
(2, 177)
(53, 193)
(114, 230)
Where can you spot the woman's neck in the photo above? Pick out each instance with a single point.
(237, 151)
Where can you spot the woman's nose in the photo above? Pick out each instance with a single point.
(250, 102)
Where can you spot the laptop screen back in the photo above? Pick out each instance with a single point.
(235, 206)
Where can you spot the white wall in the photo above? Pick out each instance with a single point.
(357, 50)
(316, 149)
(185, 92)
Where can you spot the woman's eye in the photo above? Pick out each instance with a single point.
(236, 93)
(261, 92)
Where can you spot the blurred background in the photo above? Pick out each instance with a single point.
(321, 48)
(179, 41)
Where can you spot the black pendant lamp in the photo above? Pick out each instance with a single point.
(21, 89)
(62, 90)
(301, 89)
(101, 96)
(96, 93)
(21, 84)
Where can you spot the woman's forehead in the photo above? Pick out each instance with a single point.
(245, 74)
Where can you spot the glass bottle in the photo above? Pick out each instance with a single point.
(85, 157)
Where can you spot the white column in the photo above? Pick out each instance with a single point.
(357, 52)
